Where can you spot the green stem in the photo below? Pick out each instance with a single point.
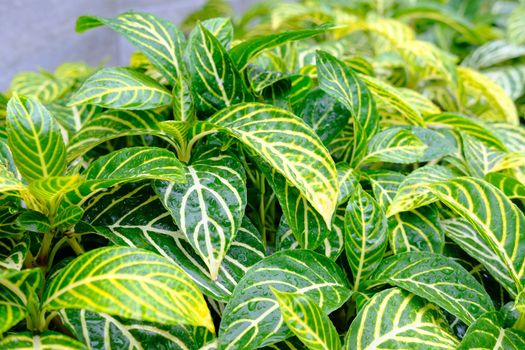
(73, 243)
(520, 323)
(262, 211)
(44, 248)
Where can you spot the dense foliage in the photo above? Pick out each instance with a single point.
(334, 176)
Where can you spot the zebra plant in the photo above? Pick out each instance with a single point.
(278, 191)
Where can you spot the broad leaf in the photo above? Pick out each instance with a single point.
(209, 208)
(512, 187)
(42, 86)
(395, 319)
(496, 219)
(48, 340)
(307, 321)
(121, 88)
(458, 292)
(286, 143)
(34, 139)
(365, 235)
(252, 318)
(130, 283)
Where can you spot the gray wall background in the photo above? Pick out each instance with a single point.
(41, 33)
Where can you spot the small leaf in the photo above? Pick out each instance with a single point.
(121, 88)
(33, 221)
(307, 321)
(130, 283)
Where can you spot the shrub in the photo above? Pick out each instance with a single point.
(318, 182)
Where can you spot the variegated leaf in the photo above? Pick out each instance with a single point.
(307, 321)
(12, 254)
(131, 283)
(131, 216)
(48, 340)
(365, 235)
(34, 139)
(481, 159)
(511, 186)
(158, 39)
(42, 86)
(285, 142)
(394, 319)
(252, 318)
(385, 184)
(457, 292)
(480, 203)
(209, 208)
(121, 88)
(492, 53)
(348, 179)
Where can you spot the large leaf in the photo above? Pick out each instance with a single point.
(489, 333)
(121, 88)
(338, 80)
(34, 139)
(133, 216)
(365, 235)
(130, 283)
(287, 144)
(252, 318)
(243, 52)
(111, 125)
(307, 321)
(48, 340)
(395, 319)
(457, 291)
(496, 219)
(209, 208)
(102, 331)
(158, 39)
(216, 83)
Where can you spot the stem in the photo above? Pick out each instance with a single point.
(262, 211)
(73, 243)
(44, 249)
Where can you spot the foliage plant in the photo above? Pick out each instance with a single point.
(333, 177)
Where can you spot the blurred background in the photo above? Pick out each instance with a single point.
(41, 33)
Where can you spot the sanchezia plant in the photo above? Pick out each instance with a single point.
(352, 177)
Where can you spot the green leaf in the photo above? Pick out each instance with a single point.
(438, 144)
(67, 217)
(489, 333)
(285, 142)
(480, 158)
(496, 219)
(111, 125)
(394, 145)
(395, 319)
(307, 321)
(134, 217)
(102, 331)
(130, 283)
(252, 318)
(492, 53)
(385, 184)
(457, 291)
(516, 25)
(416, 230)
(365, 235)
(158, 39)
(512, 187)
(243, 52)
(510, 78)
(12, 254)
(8, 180)
(413, 192)
(216, 83)
(348, 179)
(34, 221)
(34, 139)
(48, 340)
(51, 190)
(210, 207)
(121, 88)
(221, 28)
(338, 80)
(42, 86)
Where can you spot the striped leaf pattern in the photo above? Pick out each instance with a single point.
(512, 187)
(130, 283)
(396, 319)
(12, 254)
(102, 331)
(111, 125)
(216, 82)
(286, 143)
(497, 221)
(458, 292)
(121, 88)
(48, 340)
(365, 235)
(307, 321)
(208, 208)
(394, 145)
(252, 318)
(480, 158)
(385, 184)
(489, 333)
(42, 86)
(159, 40)
(492, 53)
(348, 179)
(131, 216)
(34, 139)
(338, 80)
(416, 230)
